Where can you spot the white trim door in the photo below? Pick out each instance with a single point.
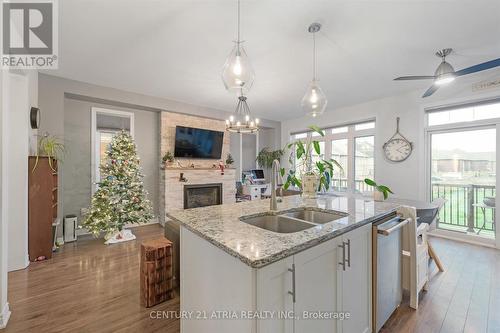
(469, 236)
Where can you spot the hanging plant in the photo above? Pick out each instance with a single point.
(266, 157)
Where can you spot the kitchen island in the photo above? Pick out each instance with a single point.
(237, 276)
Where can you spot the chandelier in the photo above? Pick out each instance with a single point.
(242, 122)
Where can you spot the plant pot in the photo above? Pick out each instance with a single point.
(309, 186)
(378, 196)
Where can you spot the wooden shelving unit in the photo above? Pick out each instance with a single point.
(42, 207)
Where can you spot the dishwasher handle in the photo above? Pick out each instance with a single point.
(399, 225)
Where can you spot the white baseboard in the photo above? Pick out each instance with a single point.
(464, 238)
(12, 268)
(4, 316)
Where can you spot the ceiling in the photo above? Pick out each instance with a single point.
(176, 49)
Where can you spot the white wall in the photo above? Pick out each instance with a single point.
(17, 150)
(406, 179)
(4, 305)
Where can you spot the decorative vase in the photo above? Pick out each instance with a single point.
(378, 196)
(309, 186)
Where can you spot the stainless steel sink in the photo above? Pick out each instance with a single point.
(277, 223)
(314, 216)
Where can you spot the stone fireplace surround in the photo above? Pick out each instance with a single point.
(171, 187)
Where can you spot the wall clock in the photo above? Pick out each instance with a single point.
(34, 117)
(397, 148)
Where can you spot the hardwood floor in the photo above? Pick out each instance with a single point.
(91, 287)
(86, 287)
(464, 298)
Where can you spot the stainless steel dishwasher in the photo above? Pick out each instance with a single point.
(386, 266)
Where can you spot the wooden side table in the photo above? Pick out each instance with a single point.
(156, 272)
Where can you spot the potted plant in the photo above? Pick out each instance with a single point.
(381, 192)
(266, 157)
(229, 160)
(168, 158)
(308, 175)
(49, 146)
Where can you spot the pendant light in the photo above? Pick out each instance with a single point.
(314, 101)
(242, 122)
(237, 73)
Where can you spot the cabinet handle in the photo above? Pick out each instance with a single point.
(348, 253)
(342, 263)
(292, 270)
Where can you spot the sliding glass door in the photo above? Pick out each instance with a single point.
(463, 171)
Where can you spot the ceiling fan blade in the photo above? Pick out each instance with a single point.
(430, 91)
(479, 67)
(415, 77)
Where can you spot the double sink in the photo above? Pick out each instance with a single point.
(292, 220)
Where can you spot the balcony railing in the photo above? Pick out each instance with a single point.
(460, 210)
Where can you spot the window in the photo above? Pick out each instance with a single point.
(482, 111)
(105, 125)
(352, 146)
(340, 154)
(462, 168)
(364, 126)
(340, 130)
(364, 164)
(321, 156)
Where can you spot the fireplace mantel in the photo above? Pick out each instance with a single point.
(172, 189)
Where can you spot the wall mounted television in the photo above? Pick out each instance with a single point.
(198, 143)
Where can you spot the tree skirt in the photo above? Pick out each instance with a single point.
(121, 236)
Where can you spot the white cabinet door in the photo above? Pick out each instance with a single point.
(273, 284)
(315, 288)
(355, 282)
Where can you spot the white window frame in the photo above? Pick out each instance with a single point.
(351, 136)
(453, 127)
(95, 144)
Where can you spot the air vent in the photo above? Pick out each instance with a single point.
(485, 85)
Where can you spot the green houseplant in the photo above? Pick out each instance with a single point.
(50, 147)
(310, 174)
(167, 158)
(381, 192)
(229, 160)
(266, 157)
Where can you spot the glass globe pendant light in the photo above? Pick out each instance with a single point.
(237, 73)
(314, 101)
(242, 121)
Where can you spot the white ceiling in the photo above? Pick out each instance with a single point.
(176, 49)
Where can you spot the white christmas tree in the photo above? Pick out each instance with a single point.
(120, 198)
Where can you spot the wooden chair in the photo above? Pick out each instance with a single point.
(439, 202)
(415, 274)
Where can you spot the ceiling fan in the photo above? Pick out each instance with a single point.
(445, 72)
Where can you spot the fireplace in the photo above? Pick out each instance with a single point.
(202, 195)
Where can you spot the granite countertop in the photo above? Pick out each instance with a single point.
(256, 247)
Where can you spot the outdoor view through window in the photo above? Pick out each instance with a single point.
(463, 171)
